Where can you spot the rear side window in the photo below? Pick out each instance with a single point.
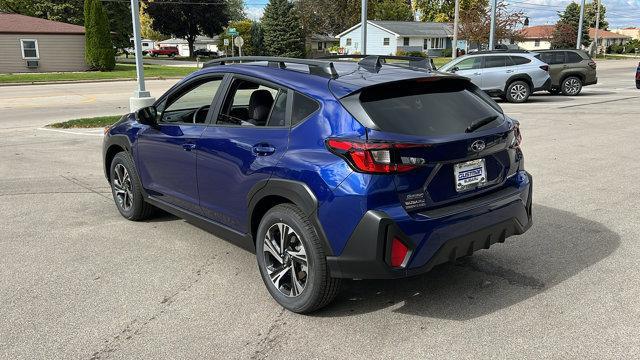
(427, 107)
(573, 58)
(302, 108)
(519, 60)
(495, 61)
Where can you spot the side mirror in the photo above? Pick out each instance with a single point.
(454, 69)
(147, 115)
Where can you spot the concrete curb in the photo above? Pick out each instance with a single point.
(87, 81)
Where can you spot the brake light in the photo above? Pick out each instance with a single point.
(544, 67)
(592, 64)
(399, 252)
(375, 157)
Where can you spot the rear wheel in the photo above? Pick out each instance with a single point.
(127, 189)
(292, 262)
(518, 92)
(571, 86)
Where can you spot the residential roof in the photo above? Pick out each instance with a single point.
(538, 32)
(410, 28)
(604, 34)
(320, 37)
(21, 24)
(199, 40)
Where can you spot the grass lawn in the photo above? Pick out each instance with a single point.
(122, 71)
(100, 121)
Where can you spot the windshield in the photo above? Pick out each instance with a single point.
(428, 107)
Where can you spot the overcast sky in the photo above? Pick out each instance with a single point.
(620, 13)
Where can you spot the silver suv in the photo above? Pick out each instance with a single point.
(511, 75)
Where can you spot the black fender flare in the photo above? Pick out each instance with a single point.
(524, 77)
(293, 191)
(110, 143)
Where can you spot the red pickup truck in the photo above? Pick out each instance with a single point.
(169, 51)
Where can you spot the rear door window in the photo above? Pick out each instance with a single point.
(552, 57)
(495, 61)
(427, 107)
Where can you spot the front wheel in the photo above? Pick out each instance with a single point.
(292, 261)
(571, 86)
(127, 189)
(518, 92)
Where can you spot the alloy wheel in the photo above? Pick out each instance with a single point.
(123, 187)
(285, 259)
(518, 92)
(572, 86)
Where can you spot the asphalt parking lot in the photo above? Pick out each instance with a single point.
(79, 281)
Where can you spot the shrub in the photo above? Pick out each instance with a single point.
(447, 52)
(99, 52)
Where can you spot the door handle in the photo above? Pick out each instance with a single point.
(188, 146)
(509, 71)
(477, 74)
(263, 149)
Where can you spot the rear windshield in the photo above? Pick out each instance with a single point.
(427, 107)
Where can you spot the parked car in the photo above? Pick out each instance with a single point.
(638, 77)
(206, 53)
(169, 51)
(326, 169)
(570, 70)
(511, 75)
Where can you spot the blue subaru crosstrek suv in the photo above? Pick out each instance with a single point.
(326, 169)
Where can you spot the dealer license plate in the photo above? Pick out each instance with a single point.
(470, 175)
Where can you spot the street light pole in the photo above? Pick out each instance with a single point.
(579, 41)
(597, 27)
(141, 97)
(363, 27)
(492, 32)
(454, 46)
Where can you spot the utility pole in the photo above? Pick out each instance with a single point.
(363, 27)
(454, 47)
(595, 40)
(579, 41)
(492, 32)
(141, 97)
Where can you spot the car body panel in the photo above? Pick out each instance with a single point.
(565, 63)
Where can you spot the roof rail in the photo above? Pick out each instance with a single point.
(497, 51)
(316, 67)
(374, 62)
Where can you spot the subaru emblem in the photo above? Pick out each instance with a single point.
(478, 145)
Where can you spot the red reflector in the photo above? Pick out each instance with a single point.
(398, 252)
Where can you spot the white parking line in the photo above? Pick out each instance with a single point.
(100, 134)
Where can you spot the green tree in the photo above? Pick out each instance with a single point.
(257, 38)
(564, 36)
(146, 28)
(236, 10)
(99, 53)
(244, 29)
(397, 10)
(283, 34)
(571, 16)
(189, 19)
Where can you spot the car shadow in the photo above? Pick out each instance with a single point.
(557, 247)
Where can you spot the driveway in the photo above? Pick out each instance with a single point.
(79, 281)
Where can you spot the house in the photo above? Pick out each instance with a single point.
(536, 37)
(29, 44)
(390, 37)
(202, 42)
(319, 45)
(633, 32)
(607, 38)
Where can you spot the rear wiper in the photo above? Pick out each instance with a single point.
(480, 123)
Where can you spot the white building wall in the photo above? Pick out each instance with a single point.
(375, 41)
(531, 45)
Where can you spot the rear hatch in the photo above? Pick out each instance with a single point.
(448, 139)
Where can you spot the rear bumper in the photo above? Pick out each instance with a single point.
(434, 237)
(544, 87)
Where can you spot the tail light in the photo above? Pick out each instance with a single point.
(592, 64)
(544, 67)
(399, 253)
(517, 139)
(375, 157)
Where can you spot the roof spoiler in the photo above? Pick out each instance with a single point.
(322, 68)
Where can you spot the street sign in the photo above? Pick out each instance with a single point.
(226, 42)
(239, 41)
(232, 32)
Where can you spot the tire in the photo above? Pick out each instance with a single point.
(571, 86)
(637, 84)
(315, 287)
(518, 92)
(127, 189)
(554, 91)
